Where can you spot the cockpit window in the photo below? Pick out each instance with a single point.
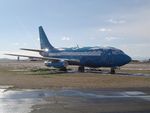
(117, 51)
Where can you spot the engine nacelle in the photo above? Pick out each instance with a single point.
(60, 64)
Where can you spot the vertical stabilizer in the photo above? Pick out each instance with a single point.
(45, 44)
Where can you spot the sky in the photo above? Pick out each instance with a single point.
(124, 24)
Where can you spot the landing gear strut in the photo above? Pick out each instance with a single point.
(112, 71)
(63, 69)
(81, 69)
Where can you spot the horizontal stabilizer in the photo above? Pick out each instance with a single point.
(35, 50)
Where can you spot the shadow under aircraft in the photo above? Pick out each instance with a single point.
(92, 57)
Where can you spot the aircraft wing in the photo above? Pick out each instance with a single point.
(46, 58)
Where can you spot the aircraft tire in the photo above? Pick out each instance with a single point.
(112, 71)
(81, 69)
(63, 69)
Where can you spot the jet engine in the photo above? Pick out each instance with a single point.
(60, 64)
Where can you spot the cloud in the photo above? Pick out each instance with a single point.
(104, 30)
(135, 49)
(65, 38)
(137, 27)
(110, 38)
(117, 21)
(134, 25)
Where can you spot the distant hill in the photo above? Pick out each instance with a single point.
(6, 59)
(140, 58)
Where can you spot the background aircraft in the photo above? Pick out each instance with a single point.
(83, 57)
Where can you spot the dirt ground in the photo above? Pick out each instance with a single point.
(27, 75)
(34, 75)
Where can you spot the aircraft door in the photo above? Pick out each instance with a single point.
(109, 58)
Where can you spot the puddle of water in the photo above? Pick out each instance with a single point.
(5, 87)
(19, 70)
(17, 106)
(21, 101)
(134, 93)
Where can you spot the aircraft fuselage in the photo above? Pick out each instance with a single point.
(91, 56)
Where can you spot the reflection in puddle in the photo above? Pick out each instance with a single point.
(21, 101)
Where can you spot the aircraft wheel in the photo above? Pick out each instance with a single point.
(112, 71)
(81, 69)
(63, 69)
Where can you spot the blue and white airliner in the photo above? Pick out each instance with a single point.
(92, 57)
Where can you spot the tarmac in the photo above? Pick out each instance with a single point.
(73, 101)
(24, 90)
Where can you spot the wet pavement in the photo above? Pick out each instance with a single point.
(73, 101)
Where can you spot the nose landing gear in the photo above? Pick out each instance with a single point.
(81, 69)
(112, 71)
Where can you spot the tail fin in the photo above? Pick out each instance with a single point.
(45, 44)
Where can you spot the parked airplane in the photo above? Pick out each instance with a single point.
(83, 57)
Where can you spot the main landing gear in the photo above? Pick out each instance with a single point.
(112, 71)
(63, 69)
(81, 69)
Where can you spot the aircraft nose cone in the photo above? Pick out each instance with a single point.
(127, 58)
(121, 59)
